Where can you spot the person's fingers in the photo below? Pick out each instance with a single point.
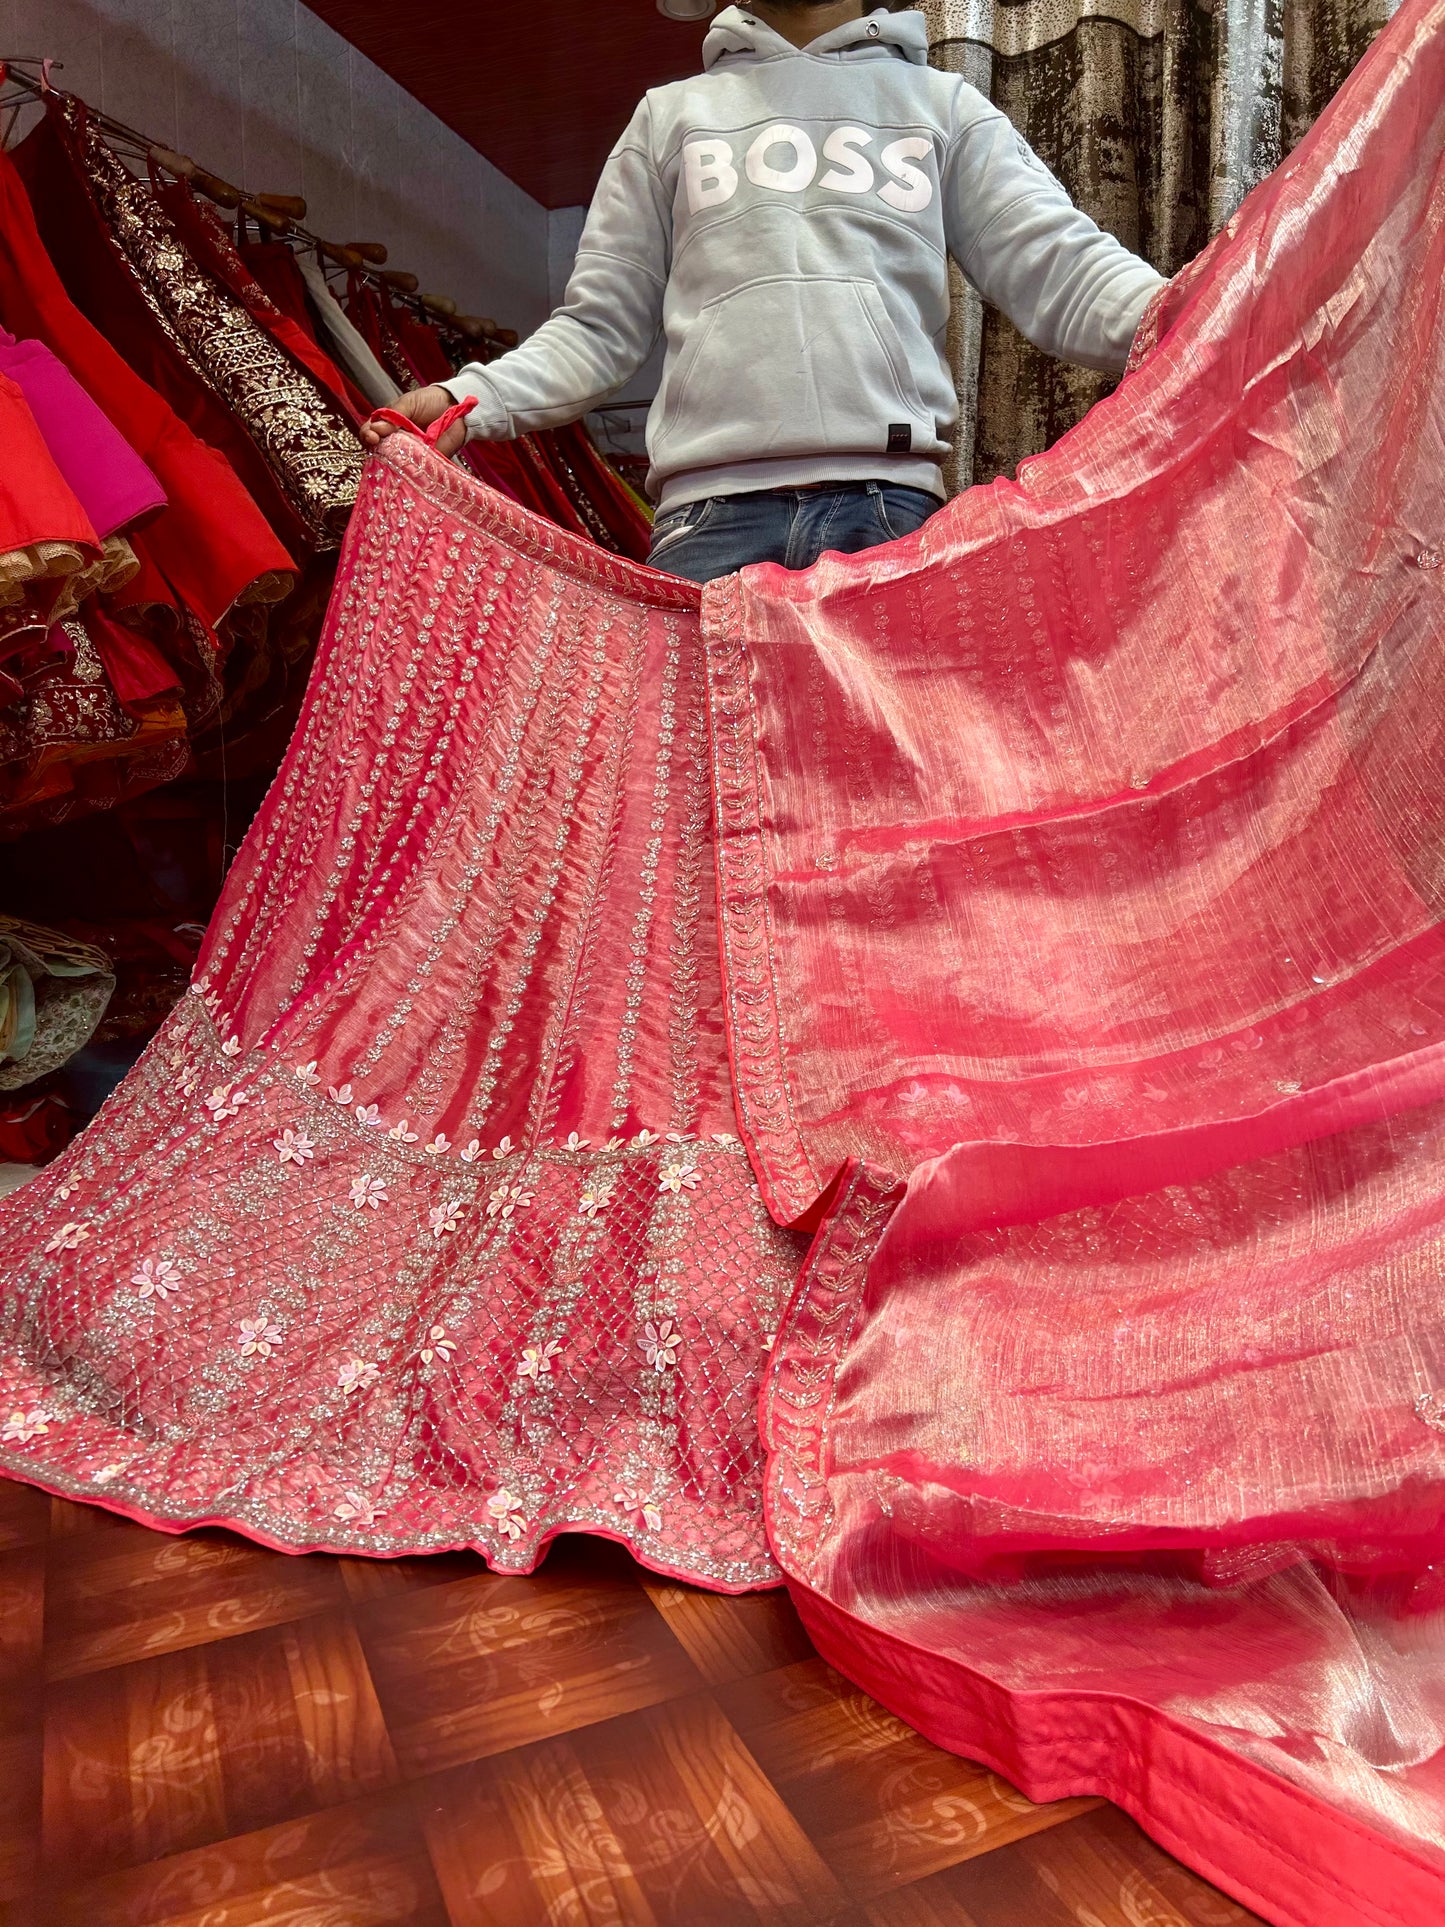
(453, 439)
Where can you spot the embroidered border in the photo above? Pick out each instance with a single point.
(755, 1041)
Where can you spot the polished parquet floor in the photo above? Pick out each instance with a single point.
(195, 1732)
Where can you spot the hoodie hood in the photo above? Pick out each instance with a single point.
(737, 33)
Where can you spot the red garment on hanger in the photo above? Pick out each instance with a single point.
(274, 267)
(214, 249)
(99, 280)
(372, 314)
(211, 544)
(630, 529)
(36, 503)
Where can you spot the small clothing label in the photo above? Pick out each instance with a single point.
(900, 438)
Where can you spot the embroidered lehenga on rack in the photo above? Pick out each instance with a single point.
(1072, 960)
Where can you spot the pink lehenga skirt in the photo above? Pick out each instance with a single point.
(1053, 903)
(424, 1222)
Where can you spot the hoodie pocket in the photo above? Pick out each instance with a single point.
(791, 367)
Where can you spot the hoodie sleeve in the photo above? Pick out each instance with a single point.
(1074, 290)
(609, 319)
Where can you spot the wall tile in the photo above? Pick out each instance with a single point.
(138, 67)
(264, 92)
(323, 68)
(373, 152)
(271, 113)
(65, 30)
(208, 86)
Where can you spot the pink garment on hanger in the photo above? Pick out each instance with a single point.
(116, 488)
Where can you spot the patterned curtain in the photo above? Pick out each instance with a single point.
(1159, 116)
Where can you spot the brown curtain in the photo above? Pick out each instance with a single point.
(1158, 116)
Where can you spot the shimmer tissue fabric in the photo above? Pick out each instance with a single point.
(1053, 902)
(1081, 885)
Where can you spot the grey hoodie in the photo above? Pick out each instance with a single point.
(784, 221)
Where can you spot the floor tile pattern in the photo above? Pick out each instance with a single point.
(195, 1732)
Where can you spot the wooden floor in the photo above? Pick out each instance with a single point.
(199, 1733)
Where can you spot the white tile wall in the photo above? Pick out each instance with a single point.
(263, 93)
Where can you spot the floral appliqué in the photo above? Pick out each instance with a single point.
(70, 1237)
(443, 1218)
(537, 1360)
(636, 1506)
(157, 1278)
(506, 1199)
(678, 1176)
(294, 1147)
(308, 1075)
(438, 1346)
(507, 1515)
(661, 1343)
(357, 1375)
(21, 1427)
(368, 1193)
(594, 1198)
(355, 1509)
(259, 1337)
(226, 1101)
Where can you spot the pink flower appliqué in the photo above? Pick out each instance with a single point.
(661, 1344)
(537, 1360)
(157, 1279)
(369, 1117)
(339, 1093)
(506, 1510)
(403, 1133)
(506, 1199)
(294, 1147)
(308, 1075)
(70, 1237)
(594, 1198)
(21, 1427)
(439, 1145)
(356, 1375)
(259, 1337)
(440, 1346)
(633, 1503)
(225, 1101)
(354, 1508)
(443, 1218)
(678, 1177)
(368, 1193)
(231, 1047)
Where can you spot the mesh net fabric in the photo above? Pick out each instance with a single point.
(423, 1224)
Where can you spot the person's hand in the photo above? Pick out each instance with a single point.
(422, 406)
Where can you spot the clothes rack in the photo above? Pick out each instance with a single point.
(273, 213)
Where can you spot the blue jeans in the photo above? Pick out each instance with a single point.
(793, 526)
